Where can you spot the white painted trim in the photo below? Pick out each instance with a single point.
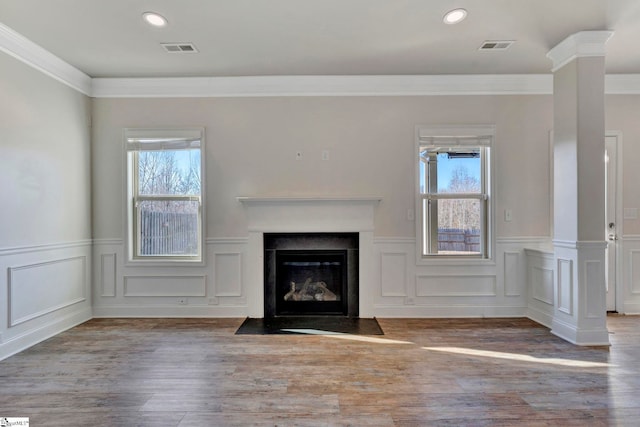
(622, 84)
(226, 240)
(23, 49)
(108, 242)
(187, 311)
(567, 244)
(582, 337)
(10, 286)
(34, 336)
(522, 240)
(579, 45)
(255, 86)
(264, 86)
(541, 253)
(44, 247)
(539, 316)
(448, 311)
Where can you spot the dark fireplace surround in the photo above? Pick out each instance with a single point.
(311, 274)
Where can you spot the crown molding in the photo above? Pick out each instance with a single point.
(257, 86)
(41, 59)
(507, 84)
(578, 45)
(622, 84)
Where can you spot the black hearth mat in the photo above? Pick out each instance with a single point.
(309, 325)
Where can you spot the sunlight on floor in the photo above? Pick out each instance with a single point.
(342, 336)
(520, 357)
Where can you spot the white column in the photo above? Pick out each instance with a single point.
(579, 188)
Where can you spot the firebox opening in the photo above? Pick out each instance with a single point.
(311, 274)
(311, 282)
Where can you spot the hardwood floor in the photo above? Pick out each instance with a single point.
(422, 372)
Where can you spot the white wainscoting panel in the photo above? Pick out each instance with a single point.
(393, 274)
(630, 287)
(634, 268)
(210, 289)
(565, 286)
(108, 275)
(512, 279)
(44, 287)
(541, 282)
(44, 290)
(227, 268)
(593, 271)
(165, 286)
(456, 286)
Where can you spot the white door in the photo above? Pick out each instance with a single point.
(611, 145)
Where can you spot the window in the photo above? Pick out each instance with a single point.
(165, 194)
(454, 192)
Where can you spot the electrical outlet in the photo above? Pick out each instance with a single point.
(325, 154)
(507, 215)
(183, 301)
(411, 215)
(298, 155)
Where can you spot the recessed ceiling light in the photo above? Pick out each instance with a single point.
(454, 16)
(154, 19)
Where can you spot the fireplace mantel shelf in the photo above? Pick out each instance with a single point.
(346, 199)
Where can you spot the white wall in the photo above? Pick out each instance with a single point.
(250, 151)
(251, 145)
(45, 219)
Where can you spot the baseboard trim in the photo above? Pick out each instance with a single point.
(539, 316)
(190, 311)
(581, 337)
(422, 311)
(37, 335)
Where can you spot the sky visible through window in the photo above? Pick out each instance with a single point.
(169, 171)
(446, 167)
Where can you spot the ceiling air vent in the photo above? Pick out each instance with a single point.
(496, 44)
(179, 47)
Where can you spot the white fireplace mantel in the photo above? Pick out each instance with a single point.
(310, 214)
(313, 215)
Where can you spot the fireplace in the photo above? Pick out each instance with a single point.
(311, 274)
(291, 216)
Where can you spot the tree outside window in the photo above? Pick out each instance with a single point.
(165, 192)
(454, 193)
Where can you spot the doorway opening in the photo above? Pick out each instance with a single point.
(611, 223)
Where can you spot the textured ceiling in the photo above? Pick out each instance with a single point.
(319, 37)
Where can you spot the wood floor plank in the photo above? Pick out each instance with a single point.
(433, 372)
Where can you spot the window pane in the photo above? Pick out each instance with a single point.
(168, 227)
(458, 170)
(175, 172)
(459, 222)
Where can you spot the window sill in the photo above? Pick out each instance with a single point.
(165, 262)
(440, 260)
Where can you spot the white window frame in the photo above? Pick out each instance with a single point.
(476, 136)
(137, 140)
